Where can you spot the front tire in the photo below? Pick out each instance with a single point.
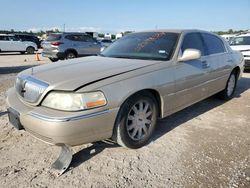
(30, 50)
(136, 121)
(228, 92)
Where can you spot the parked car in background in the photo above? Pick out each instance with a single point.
(121, 93)
(106, 42)
(228, 37)
(69, 45)
(11, 43)
(29, 37)
(242, 43)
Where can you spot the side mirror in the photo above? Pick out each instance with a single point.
(190, 54)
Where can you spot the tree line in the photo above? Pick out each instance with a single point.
(41, 33)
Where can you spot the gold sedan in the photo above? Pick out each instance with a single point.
(121, 93)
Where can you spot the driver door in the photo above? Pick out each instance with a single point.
(191, 76)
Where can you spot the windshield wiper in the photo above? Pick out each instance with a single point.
(123, 57)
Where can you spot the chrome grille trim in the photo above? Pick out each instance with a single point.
(30, 88)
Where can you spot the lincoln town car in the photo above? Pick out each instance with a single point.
(121, 93)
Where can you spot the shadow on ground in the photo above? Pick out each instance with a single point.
(16, 53)
(10, 70)
(164, 125)
(87, 153)
(3, 113)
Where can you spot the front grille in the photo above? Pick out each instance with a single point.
(30, 88)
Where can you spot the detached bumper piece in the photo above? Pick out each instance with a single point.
(62, 163)
(14, 118)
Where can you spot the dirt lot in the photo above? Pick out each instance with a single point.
(205, 145)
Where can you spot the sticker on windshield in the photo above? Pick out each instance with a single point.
(162, 51)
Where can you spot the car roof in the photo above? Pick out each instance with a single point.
(243, 35)
(173, 30)
(24, 34)
(67, 33)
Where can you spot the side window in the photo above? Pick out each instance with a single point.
(214, 44)
(87, 38)
(73, 37)
(3, 38)
(194, 41)
(246, 40)
(13, 38)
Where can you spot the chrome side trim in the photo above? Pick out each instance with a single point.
(204, 83)
(66, 119)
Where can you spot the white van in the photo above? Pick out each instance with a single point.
(11, 43)
(242, 43)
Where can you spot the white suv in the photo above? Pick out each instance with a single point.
(10, 43)
(242, 43)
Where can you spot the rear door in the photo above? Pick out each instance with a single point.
(191, 76)
(219, 61)
(86, 45)
(16, 44)
(5, 43)
(94, 47)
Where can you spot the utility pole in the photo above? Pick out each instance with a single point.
(63, 27)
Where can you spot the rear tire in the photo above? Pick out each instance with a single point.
(136, 121)
(228, 92)
(30, 50)
(70, 55)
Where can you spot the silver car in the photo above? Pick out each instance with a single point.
(11, 43)
(120, 94)
(69, 45)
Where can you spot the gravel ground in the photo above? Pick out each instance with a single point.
(205, 145)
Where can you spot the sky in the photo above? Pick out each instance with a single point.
(127, 15)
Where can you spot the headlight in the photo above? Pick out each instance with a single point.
(74, 101)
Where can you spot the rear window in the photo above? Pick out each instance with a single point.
(54, 37)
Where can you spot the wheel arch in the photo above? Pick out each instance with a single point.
(31, 47)
(153, 92)
(71, 50)
(237, 70)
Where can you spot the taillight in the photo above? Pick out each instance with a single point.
(56, 43)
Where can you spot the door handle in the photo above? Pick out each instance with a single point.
(205, 64)
(230, 61)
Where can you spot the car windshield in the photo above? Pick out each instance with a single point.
(240, 41)
(145, 45)
(54, 37)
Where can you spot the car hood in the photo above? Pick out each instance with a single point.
(75, 73)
